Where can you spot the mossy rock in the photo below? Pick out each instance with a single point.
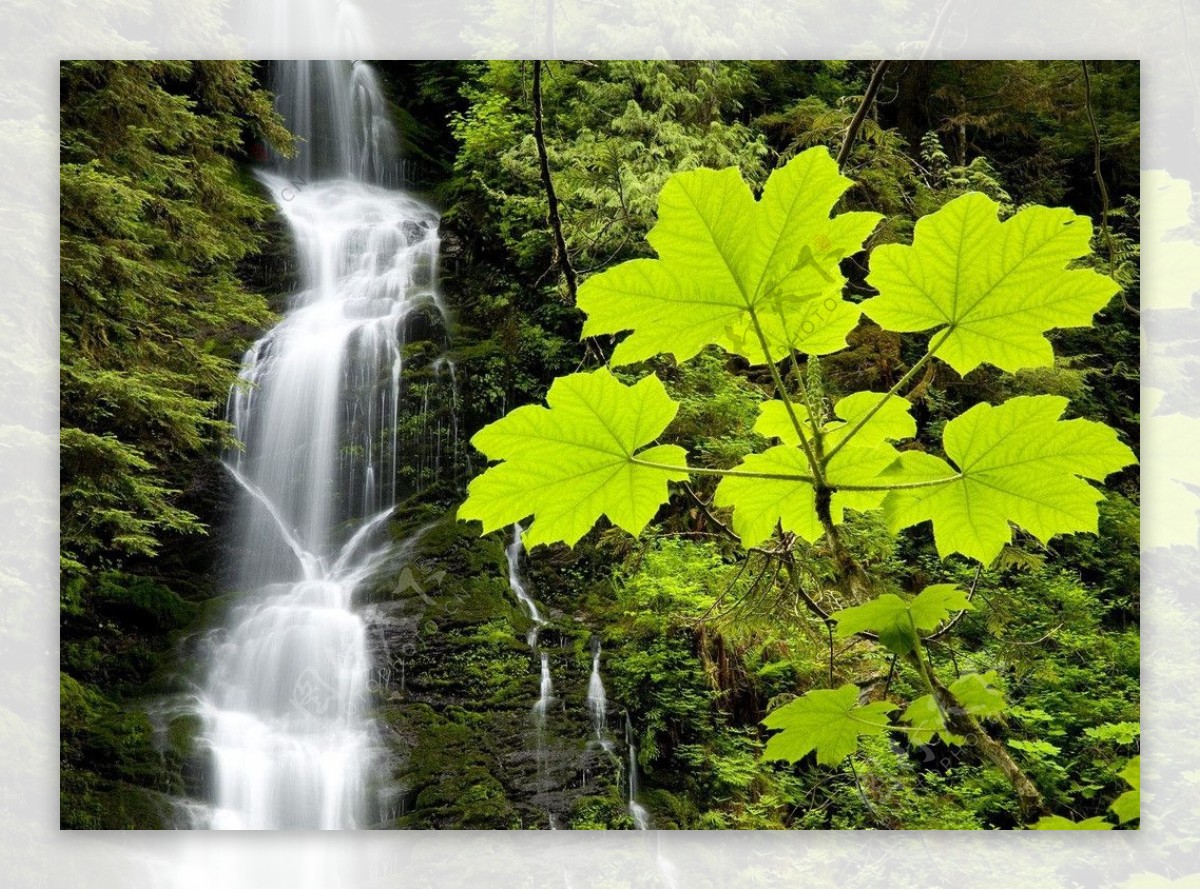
(112, 776)
(443, 773)
(91, 802)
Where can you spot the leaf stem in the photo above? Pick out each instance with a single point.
(900, 384)
(898, 486)
(714, 471)
(814, 419)
(789, 477)
(918, 655)
(818, 472)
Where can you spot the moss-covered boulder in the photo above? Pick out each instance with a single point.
(456, 685)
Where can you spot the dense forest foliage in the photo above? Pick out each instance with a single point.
(171, 263)
(157, 213)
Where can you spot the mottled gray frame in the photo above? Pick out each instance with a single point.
(33, 852)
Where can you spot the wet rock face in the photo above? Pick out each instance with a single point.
(455, 686)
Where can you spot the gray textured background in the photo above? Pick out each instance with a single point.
(36, 33)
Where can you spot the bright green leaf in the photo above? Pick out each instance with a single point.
(991, 289)
(774, 421)
(723, 257)
(1061, 823)
(760, 503)
(1122, 733)
(1036, 747)
(898, 621)
(893, 421)
(574, 461)
(785, 496)
(926, 720)
(1129, 805)
(1018, 463)
(976, 694)
(1132, 773)
(828, 721)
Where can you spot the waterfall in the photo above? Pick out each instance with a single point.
(596, 699)
(541, 707)
(546, 696)
(512, 555)
(339, 112)
(637, 812)
(285, 703)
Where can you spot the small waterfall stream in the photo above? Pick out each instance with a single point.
(513, 556)
(597, 700)
(541, 707)
(637, 812)
(545, 695)
(285, 704)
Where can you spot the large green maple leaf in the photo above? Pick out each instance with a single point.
(1017, 463)
(578, 459)
(898, 621)
(991, 289)
(723, 257)
(783, 493)
(828, 721)
(976, 694)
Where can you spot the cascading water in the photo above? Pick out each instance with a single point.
(512, 555)
(637, 812)
(285, 704)
(541, 707)
(597, 700)
(546, 694)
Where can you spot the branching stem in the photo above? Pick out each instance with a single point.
(818, 471)
(791, 477)
(900, 384)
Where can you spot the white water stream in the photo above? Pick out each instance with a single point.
(513, 555)
(637, 812)
(285, 702)
(597, 700)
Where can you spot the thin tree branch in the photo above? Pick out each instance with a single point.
(708, 513)
(856, 122)
(1047, 635)
(1105, 230)
(562, 259)
(953, 621)
(1087, 104)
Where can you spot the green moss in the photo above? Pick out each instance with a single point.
(182, 733)
(111, 774)
(445, 774)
